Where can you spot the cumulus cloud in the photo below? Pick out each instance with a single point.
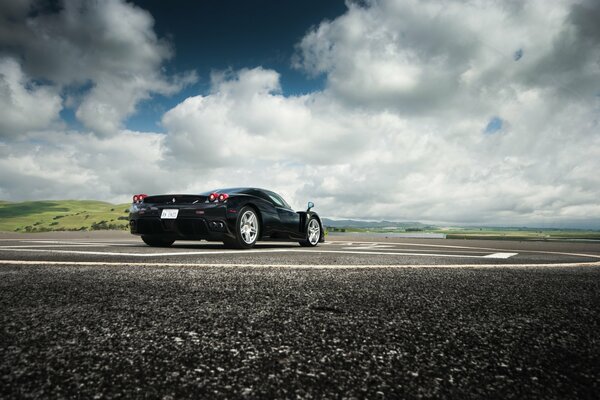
(24, 105)
(245, 120)
(73, 165)
(107, 49)
(400, 131)
(381, 164)
(426, 56)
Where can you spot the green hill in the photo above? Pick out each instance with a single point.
(62, 215)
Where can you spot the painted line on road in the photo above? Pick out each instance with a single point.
(69, 240)
(134, 241)
(370, 247)
(347, 243)
(199, 246)
(500, 255)
(74, 241)
(294, 266)
(34, 246)
(461, 251)
(332, 242)
(252, 251)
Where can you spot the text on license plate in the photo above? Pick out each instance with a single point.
(169, 214)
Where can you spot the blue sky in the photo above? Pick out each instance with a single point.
(447, 112)
(494, 125)
(221, 35)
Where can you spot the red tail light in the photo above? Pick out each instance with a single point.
(223, 196)
(213, 196)
(138, 198)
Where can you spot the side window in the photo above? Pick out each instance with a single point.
(275, 199)
(278, 200)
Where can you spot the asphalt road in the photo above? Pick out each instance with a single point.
(104, 317)
(121, 247)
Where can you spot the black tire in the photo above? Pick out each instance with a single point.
(247, 230)
(313, 233)
(157, 242)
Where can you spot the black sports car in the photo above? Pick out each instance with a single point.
(238, 217)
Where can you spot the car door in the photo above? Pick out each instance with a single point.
(290, 220)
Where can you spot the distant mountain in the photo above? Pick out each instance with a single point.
(352, 223)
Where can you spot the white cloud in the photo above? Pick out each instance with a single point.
(109, 46)
(75, 165)
(246, 121)
(428, 56)
(398, 132)
(381, 164)
(24, 105)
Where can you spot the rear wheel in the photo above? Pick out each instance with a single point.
(313, 233)
(157, 242)
(247, 229)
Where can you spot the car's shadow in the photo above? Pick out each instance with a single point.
(220, 246)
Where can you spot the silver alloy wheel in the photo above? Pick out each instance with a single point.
(249, 227)
(314, 232)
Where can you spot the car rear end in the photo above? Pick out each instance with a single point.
(179, 216)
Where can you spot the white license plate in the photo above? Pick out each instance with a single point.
(169, 214)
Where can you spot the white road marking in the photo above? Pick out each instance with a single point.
(383, 248)
(67, 241)
(500, 255)
(480, 248)
(32, 246)
(427, 250)
(370, 246)
(107, 244)
(408, 244)
(294, 266)
(77, 243)
(232, 252)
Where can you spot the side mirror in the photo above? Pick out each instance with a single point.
(310, 205)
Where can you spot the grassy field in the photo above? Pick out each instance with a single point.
(520, 234)
(62, 215)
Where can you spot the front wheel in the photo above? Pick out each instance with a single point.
(313, 233)
(157, 242)
(247, 229)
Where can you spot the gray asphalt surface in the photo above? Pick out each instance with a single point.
(122, 247)
(141, 329)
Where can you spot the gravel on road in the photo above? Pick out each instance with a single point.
(174, 332)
